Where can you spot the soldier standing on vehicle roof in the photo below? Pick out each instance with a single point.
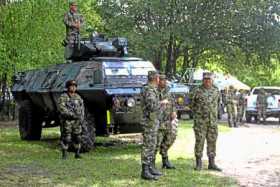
(71, 108)
(168, 124)
(73, 21)
(151, 112)
(204, 103)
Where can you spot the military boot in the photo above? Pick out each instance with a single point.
(198, 166)
(153, 169)
(166, 164)
(77, 154)
(146, 173)
(64, 154)
(212, 165)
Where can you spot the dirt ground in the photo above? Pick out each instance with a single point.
(7, 124)
(250, 154)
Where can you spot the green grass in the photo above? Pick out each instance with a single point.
(38, 163)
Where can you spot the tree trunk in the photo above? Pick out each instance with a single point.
(3, 2)
(168, 67)
(176, 54)
(186, 62)
(158, 59)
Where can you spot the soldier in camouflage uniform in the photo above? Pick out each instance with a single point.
(204, 103)
(261, 105)
(73, 21)
(168, 123)
(241, 104)
(71, 108)
(231, 106)
(151, 109)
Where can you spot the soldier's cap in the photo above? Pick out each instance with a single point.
(73, 3)
(152, 74)
(70, 83)
(207, 75)
(162, 77)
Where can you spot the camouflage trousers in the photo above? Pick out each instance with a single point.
(261, 113)
(150, 131)
(204, 131)
(166, 137)
(231, 111)
(68, 51)
(240, 112)
(71, 131)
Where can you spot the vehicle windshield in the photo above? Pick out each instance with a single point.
(268, 91)
(116, 71)
(126, 68)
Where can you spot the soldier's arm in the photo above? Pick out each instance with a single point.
(173, 104)
(151, 101)
(68, 22)
(83, 109)
(192, 97)
(63, 109)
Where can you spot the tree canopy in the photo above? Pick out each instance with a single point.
(233, 36)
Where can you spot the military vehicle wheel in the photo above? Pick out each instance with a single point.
(256, 119)
(248, 118)
(88, 132)
(191, 115)
(30, 127)
(179, 115)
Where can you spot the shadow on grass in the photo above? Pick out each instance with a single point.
(102, 169)
(38, 163)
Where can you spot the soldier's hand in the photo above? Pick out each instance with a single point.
(77, 25)
(173, 115)
(164, 102)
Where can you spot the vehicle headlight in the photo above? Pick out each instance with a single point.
(130, 102)
(180, 100)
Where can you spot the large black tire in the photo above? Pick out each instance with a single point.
(30, 122)
(256, 120)
(88, 133)
(191, 115)
(179, 115)
(248, 118)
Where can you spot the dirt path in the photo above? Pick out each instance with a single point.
(251, 155)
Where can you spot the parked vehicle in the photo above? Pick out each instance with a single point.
(180, 93)
(273, 103)
(108, 81)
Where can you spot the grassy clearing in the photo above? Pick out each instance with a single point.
(38, 163)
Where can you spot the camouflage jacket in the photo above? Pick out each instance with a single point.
(70, 18)
(171, 107)
(241, 101)
(261, 99)
(230, 97)
(204, 104)
(150, 101)
(71, 107)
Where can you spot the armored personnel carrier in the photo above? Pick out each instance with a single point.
(108, 81)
